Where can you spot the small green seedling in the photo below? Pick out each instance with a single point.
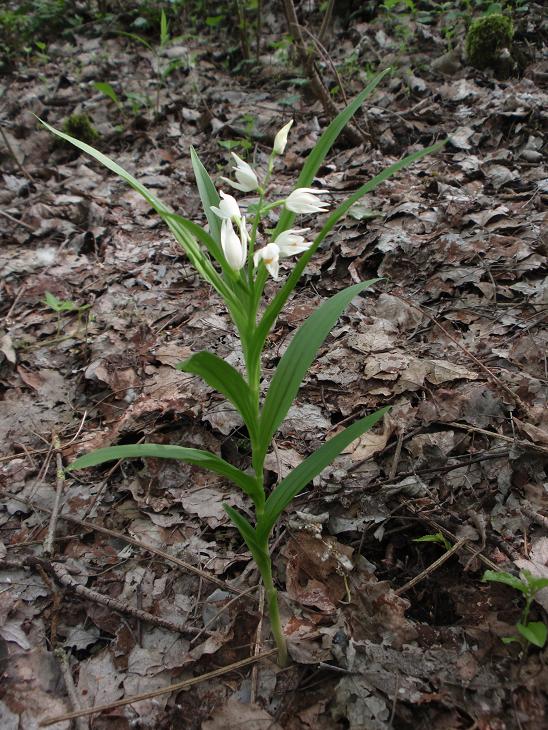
(535, 632)
(236, 257)
(63, 305)
(435, 537)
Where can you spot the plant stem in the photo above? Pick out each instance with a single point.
(274, 611)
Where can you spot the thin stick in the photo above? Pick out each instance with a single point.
(60, 481)
(162, 691)
(64, 577)
(142, 545)
(431, 568)
(523, 443)
(12, 153)
(74, 697)
(517, 400)
(16, 220)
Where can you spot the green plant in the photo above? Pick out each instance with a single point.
(237, 269)
(535, 632)
(435, 537)
(63, 305)
(486, 38)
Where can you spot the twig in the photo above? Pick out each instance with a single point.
(60, 483)
(64, 577)
(326, 22)
(73, 695)
(540, 520)
(12, 153)
(219, 612)
(162, 691)
(523, 443)
(316, 83)
(431, 568)
(397, 454)
(17, 221)
(515, 398)
(141, 545)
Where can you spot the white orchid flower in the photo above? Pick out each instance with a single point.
(234, 248)
(245, 175)
(270, 256)
(302, 200)
(228, 208)
(291, 242)
(280, 140)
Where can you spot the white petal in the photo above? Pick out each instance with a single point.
(280, 140)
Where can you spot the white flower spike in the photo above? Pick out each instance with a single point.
(247, 180)
(291, 242)
(228, 207)
(302, 200)
(270, 255)
(234, 249)
(280, 140)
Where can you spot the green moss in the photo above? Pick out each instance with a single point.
(80, 126)
(486, 38)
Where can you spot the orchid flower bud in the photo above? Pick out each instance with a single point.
(280, 140)
(228, 207)
(302, 200)
(270, 256)
(247, 180)
(291, 242)
(234, 249)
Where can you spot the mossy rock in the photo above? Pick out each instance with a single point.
(80, 126)
(486, 38)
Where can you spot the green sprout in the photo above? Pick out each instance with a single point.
(63, 305)
(235, 257)
(535, 632)
(435, 537)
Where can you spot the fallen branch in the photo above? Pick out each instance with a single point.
(64, 577)
(431, 568)
(162, 691)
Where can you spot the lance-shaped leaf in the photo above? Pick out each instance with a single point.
(197, 457)
(275, 306)
(221, 376)
(297, 479)
(324, 144)
(208, 194)
(298, 357)
(183, 236)
(258, 550)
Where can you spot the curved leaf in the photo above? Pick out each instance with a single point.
(275, 306)
(197, 457)
(221, 376)
(259, 552)
(297, 480)
(187, 241)
(298, 358)
(324, 144)
(208, 195)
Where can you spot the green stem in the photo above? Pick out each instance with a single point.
(274, 611)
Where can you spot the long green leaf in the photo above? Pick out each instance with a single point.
(297, 480)
(324, 144)
(248, 533)
(276, 305)
(197, 457)
(200, 262)
(208, 194)
(298, 357)
(221, 376)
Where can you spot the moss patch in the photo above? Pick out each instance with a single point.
(486, 38)
(80, 126)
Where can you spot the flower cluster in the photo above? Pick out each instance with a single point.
(288, 243)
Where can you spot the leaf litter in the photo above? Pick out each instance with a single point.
(458, 238)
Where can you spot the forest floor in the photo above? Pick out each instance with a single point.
(452, 339)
